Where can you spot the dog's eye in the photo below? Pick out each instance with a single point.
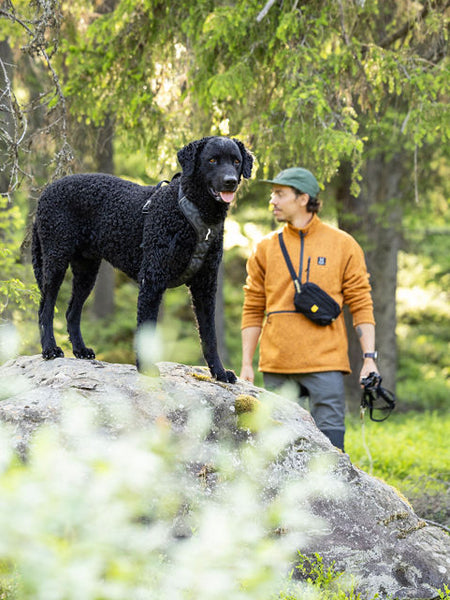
(237, 162)
(212, 161)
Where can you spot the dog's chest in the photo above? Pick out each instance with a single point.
(169, 243)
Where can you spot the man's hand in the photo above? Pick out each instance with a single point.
(247, 373)
(369, 366)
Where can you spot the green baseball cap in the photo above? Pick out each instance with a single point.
(298, 178)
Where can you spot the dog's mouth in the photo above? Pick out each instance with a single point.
(226, 196)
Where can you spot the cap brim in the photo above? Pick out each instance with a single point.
(273, 181)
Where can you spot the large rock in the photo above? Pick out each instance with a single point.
(372, 532)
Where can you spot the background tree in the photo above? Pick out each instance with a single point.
(26, 32)
(352, 89)
(355, 90)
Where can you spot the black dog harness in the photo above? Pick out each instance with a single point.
(206, 234)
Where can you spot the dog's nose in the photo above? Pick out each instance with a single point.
(230, 182)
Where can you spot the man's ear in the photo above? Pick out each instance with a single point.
(247, 159)
(303, 199)
(187, 155)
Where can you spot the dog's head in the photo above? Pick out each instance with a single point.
(219, 162)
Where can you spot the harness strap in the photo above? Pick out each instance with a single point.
(146, 207)
(206, 234)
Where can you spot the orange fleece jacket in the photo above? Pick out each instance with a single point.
(290, 342)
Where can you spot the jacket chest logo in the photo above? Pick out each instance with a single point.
(321, 260)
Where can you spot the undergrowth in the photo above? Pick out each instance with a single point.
(323, 582)
(410, 452)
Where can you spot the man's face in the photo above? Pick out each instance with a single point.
(287, 203)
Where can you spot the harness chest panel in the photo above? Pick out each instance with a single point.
(206, 234)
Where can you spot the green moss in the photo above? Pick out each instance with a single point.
(202, 377)
(245, 403)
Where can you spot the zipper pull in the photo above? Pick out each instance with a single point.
(307, 268)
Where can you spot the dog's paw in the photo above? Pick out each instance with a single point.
(52, 353)
(86, 353)
(225, 376)
(231, 377)
(148, 369)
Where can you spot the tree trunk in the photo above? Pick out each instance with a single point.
(104, 161)
(6, 132)
(374, 218)
(6, 115)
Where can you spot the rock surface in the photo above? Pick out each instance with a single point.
(372, 532)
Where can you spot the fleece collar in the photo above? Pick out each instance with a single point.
(308, 230)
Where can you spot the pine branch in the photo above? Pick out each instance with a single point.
(402, 31)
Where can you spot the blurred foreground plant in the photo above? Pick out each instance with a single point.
(103, 509)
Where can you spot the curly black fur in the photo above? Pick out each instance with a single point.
(81, 219)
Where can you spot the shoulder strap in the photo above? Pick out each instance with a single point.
(146, 207)
(288, 262)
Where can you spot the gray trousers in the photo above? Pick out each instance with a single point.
(322, 394)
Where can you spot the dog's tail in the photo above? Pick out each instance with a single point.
(36, 256)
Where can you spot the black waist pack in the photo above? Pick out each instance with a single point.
(313, 302)
(310, 299)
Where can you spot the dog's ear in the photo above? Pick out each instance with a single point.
(188, 154)
(247, 159)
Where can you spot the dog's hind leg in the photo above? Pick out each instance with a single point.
(84, 276)
(50, 284)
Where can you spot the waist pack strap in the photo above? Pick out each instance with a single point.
(287, 258)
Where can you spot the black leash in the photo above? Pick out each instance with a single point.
(379, 400)
(380, 403)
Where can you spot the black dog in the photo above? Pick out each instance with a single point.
(161, 236)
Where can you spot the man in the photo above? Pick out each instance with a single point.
(292, 347)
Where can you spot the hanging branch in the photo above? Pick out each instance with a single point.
(13, 129)
(42, 33)
(265, 10)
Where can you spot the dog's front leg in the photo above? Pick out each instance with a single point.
(149, 300)
(203, 292)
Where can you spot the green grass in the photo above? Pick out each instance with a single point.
(410, 452)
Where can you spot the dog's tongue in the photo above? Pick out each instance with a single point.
(227, 196)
